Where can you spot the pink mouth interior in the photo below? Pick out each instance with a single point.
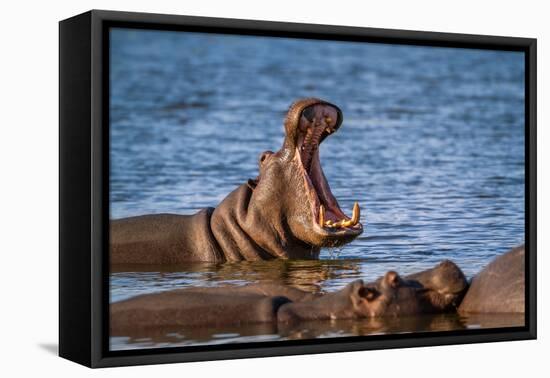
(322, 190)
(316, 182)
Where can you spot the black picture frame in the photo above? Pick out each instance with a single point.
(84, 187)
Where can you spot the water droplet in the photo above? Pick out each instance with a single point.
(334, 253)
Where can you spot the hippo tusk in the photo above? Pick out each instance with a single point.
(356, 214)
(354, 218)
(321, 215)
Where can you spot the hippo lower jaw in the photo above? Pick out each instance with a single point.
(329, 221)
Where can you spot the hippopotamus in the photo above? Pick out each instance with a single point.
(499, 287)
(390, 295)
(288, 211)
(436, 290)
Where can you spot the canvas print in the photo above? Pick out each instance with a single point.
(265, 189)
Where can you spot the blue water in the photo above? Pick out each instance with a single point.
(432, 146)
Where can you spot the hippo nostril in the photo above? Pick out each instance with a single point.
(264, 156)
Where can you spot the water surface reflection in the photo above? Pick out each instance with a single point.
(172, 337)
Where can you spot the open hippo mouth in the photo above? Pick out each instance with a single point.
(316, 122)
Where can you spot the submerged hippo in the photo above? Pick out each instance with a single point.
(499, 287)
(435, 290)
(288, 211)
(391, 295)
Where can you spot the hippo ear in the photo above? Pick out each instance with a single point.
(392, 279)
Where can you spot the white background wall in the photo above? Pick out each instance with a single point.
(29, 189)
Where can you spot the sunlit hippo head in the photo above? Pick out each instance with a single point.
(292, 187)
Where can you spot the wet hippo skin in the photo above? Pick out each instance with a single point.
(499, 287)
(390, 295)
(288, 211)
(265, 289)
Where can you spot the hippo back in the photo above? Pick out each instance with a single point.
(189, 308)
(499, 287)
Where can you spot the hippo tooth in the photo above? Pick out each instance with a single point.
(328, 130)
(354, 218)
(356, 214)
(321, 215)
(346, 223)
